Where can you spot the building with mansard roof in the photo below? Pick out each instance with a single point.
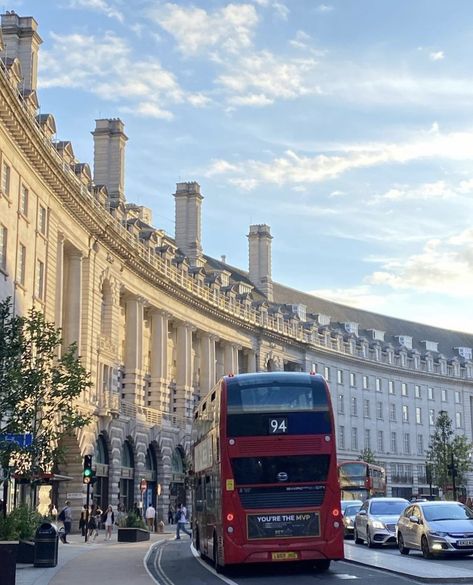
(158, 322)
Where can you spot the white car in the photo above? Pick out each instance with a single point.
(376, 522)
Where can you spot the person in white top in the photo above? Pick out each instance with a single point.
(108, 518)
(150, 516)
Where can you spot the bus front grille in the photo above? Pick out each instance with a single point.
(266, 498)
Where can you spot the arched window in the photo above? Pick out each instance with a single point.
(177, 463)
(106, 309)
(101, 451)
(127, 455)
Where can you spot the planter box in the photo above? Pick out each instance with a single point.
(25, 552)
(8, 552)
(132, 535)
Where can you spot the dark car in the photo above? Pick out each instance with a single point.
(436, 528)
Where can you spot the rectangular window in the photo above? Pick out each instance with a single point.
(339, 376)
(379, 410)
(430, 393)
(366, 408)
(341, 437)
(40, 280)
(418, 415)
(6, 179)
(354, 406)
(367, 439)
(403, 389)
(380, 441)
(42, 220)
(417, 391)
(365, 382)
(392, 412)
(379, 386)
(21, 265)
(327, 373)
(3, 247)
(431, 416)
(391, 387)
(352, 379)
(459, 420)
(24, 196)
(407, 444)
(420, 445)
(444, 395)
(393, 442)
(341, 404)
(405, 413)
(354, 439)
(458, 397)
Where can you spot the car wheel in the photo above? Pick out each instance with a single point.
(322, 565)
(356, 538)
(400, 543)
(425, 548)
(369, 542)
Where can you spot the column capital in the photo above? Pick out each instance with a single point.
(162, 312)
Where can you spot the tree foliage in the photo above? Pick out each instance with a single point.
(444, 445)
(38, 390)
(367, 456)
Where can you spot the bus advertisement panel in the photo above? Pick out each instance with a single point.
(265, 471)
(360, 480)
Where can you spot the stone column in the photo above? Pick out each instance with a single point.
(59, 280)
(207, 362)
(72, 309)
(159, 397)
(184, 399)
(133, 382)
(251, 361)
(230, 358)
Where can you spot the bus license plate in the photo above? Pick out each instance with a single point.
(284, 556)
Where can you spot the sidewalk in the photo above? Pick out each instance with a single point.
(93, 562)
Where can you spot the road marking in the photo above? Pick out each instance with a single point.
(163, 578)
(211, 569)
(345, 576)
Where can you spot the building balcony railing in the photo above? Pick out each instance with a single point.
(153, 416)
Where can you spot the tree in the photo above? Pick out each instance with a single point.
(444, 448)
(39, 389)
(367, 455)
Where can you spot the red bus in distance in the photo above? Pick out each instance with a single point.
(265, 471)
(360, 480)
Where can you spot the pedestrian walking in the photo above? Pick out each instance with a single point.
(108, 518)
(82, 521)
(93, 527)
(120, 515)
(181, 520)
(171, 512)
(65, 516)
(150, 515)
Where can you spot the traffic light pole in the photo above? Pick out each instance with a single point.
(454, 473)
(87, 502)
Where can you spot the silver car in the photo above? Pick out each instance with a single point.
(349, 518)
(376, 521)
(436, 528)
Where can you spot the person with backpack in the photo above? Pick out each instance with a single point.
(65, 516)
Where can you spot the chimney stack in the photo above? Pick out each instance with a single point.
(109, 157)
(188, 221)
(21, 41)
(259, 240)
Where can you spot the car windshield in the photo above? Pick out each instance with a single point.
(352, 510)
(387, 508)
(447, 512)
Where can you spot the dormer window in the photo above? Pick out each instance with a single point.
(430, 345)
(323, 319)
(351, 327)
(465, 352)
(377, 334)
(405, 340)
(301, 311)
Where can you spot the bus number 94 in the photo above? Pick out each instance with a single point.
(278, 425)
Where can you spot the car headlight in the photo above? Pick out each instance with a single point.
(437, 533)
(349, 522)
(378, 524)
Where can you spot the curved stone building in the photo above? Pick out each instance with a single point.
(158, 322)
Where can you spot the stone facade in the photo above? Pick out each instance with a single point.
(158, 323)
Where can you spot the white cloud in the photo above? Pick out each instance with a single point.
(230, 28)
(426, 191)
(281, 10)
(362, 296)
(98, 6)
(148, 110)
(250, 100)
(437, 56)
(292, 167)
(324, 8)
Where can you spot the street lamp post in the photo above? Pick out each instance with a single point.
(453, 472)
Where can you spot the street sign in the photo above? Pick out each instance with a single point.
(25, 440)
(143, 485)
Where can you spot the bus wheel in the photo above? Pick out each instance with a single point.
(322, 565)
(218, 568)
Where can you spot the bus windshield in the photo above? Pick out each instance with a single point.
(293, 469)
(350, 470)
(275, 398)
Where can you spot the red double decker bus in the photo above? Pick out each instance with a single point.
(265, 471)
(360, 480)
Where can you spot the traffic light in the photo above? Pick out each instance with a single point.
(88, 473)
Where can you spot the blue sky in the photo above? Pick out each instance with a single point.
(347, 126)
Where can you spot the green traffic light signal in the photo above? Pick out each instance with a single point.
(87, 474)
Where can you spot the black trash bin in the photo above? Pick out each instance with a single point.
(46, 544)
